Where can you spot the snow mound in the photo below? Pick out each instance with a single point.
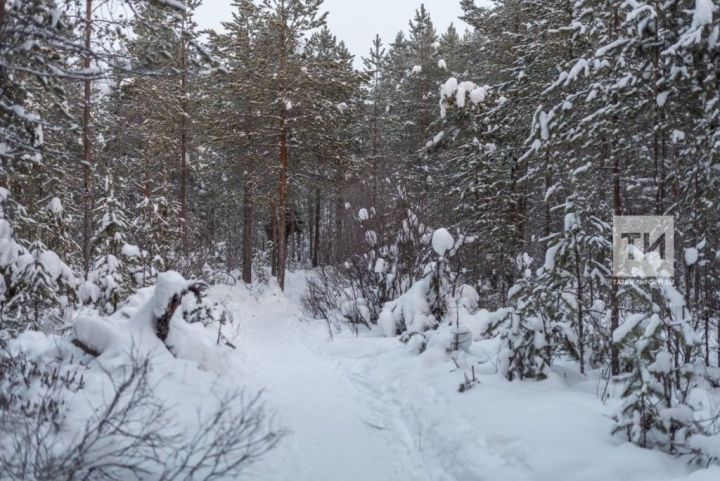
(140, 331)
(410, 310)
(442, 241)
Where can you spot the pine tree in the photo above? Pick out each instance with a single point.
(657, 411)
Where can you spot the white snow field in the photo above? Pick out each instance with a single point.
(363, 408)
(366, 408)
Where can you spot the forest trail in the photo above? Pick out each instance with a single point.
(332, 435)
(365, 409)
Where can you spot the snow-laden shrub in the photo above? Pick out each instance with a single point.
(328, 296)
(665, 388)
(35, 390)
(385, 272)
(431, 297)
(63, 420)
(39, 283)
(35, 285)
(94, 407)
(355, 292)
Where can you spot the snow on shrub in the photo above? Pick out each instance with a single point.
(66, 416)
(157, 326)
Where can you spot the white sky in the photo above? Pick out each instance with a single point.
(357, 21)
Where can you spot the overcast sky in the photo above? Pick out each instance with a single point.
(357, 21)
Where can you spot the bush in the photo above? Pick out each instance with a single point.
(130, 436)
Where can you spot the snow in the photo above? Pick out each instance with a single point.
(627, 326)
(580, 67)
(129, 250)
(362, 407)
(366, 407)
(411, 310)
(703, 13)
(56, 268)
(363, 215)
(543, 122)
(55, 207)
(571, 222)
(176, 4)
(442, 241)
(417, 69)
(550, 257)
(442, 64)
(691, 256)
(114, 337)
(478, 95)
(88, 292)
(9, 249)
(462, 91)
(677, 136)
(449, 87)
(611, 46)
(663, 363)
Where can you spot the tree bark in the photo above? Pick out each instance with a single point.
(337, 242)
(247, 232)
(614, 291)
(2, 12)
(274, 237)
(581, 320)
(282, 203)
(87, 147)
(183, 141)
(316, 238)
(546, 202)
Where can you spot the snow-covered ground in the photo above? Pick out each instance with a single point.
(362, 408)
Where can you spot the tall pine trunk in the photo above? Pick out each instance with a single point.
(614, 291)
(183, 141)
(282, 204)
(274, 238)
(87, 147)
(316, 237)
(247, 232)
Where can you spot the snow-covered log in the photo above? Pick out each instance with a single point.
(97, 336)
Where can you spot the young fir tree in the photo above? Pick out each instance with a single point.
(660, 350)
(10, 250)
(40, 281)
(109, 273)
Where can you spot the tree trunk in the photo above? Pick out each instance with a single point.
(548, 180)
(183, 142)
(87, 148)
(290, 235)
(316, 238)
(274, 238)
(580, 313)
(338, 228)
(247, 232)
(282, 203)
(614, 292)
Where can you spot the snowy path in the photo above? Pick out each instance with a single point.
(366, 409)
(333, 435)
